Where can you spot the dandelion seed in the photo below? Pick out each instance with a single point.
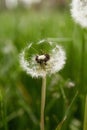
(79, 11)
(70, 84)
(43, 58)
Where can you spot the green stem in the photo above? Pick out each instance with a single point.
(5, 115)
(43, 97)
(83, 77)
(66, 113)
(85, 115)
(3, 110)
(82, 60)
(63, 94)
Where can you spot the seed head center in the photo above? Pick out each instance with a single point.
(42, 59)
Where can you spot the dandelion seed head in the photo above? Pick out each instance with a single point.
(42, 59)
(79, 12)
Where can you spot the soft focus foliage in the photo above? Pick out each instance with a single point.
(19, 93)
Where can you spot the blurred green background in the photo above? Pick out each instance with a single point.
(20, 94)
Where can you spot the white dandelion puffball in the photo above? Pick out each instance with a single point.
(79, 11)
(42, 58)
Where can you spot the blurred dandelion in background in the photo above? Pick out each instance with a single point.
(79, 11)
(11, 3)
(29, 3)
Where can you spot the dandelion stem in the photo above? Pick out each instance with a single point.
(83, 77)
(83, 58)
(43, 96)
(85, 115)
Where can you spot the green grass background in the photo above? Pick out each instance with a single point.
(19, 93)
